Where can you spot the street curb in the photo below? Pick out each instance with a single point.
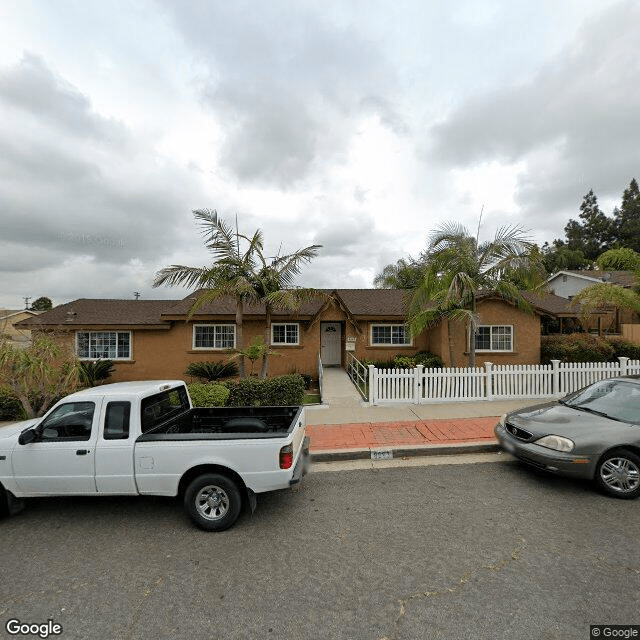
(336, 455)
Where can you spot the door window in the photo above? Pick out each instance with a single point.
(68, 422)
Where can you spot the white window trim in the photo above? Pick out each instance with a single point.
(116, 358)
(510, 326)
(386, 344)
(285, 324)
(212, 324)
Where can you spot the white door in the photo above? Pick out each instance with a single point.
(62, 459)
(331, 343)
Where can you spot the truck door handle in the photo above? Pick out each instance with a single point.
(82, 452)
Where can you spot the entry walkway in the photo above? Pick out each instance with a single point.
(346, 427)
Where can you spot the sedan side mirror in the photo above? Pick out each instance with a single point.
(28, 436)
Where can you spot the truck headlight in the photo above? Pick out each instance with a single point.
(557, 443)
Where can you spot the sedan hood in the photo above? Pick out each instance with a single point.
(558, 419)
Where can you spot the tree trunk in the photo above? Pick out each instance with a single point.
(239, 337)
(452, 355)
(267, 341)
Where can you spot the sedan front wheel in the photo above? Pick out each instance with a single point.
(618, 474)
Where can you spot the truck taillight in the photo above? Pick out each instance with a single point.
(286, 457)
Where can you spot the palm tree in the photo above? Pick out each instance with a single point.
(231, 274)
(459, 267)
(241, 270)
(274, 287)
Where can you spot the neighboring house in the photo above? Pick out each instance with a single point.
(18, 337)
(567, 284)
(157, 339)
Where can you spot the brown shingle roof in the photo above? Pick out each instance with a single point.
(87, 311)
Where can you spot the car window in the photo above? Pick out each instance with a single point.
(116, 420)
(618, 399)
(68, 422)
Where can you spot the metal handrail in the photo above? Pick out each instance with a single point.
(359, 375)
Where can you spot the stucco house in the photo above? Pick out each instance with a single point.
(17, 336)
(150, 339)
(566, 284)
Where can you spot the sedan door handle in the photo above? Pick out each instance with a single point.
(82, 452)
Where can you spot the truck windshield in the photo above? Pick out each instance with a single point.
(157, 409)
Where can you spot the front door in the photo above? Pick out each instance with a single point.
(331, 343)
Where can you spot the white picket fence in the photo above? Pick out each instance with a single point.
(491, 382)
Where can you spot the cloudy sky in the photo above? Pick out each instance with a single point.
(360, 126)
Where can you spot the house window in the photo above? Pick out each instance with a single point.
(111, 345)
(390, 334)
(494, 338)
(214, 336)
(285, 333)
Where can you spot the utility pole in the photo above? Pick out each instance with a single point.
(26, 302)
(137, 294)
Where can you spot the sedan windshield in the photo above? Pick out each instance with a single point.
(616, 399)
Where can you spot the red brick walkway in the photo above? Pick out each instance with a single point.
(389, 434)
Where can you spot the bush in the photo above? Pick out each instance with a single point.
(208, 395)
(211, 371)
(280, 391)
(94, 371)
(10, 406)
(576, 347)
(622, 347)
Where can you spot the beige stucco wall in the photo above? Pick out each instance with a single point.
(161, 354)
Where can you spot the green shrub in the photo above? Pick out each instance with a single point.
(402, 361)
(94, 371)
(576, 347)
(278, 391)
(622, 347)
(211, 371)
(208, 395)
(10, 406)
(428, 360)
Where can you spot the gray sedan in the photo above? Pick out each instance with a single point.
(593, 433)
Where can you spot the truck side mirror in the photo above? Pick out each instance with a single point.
(28, 436)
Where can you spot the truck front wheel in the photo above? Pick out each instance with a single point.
(213, 502)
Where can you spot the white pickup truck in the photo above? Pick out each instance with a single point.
(145, 438)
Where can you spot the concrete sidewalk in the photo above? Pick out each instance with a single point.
(346, 428)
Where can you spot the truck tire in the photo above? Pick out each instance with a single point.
(213, 502)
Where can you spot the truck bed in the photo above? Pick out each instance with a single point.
(223, 423)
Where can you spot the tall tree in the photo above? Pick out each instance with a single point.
(42, 304)
(627, 218)
(231, 273)
(594, 234)
(274, 286)
(241, 270)
(403, 274)
(459, 267)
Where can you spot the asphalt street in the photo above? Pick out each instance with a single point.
(486, 550)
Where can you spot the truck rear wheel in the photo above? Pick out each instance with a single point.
(213, 502)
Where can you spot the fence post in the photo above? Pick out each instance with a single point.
(488, 389)
(555, 384)
(624, 362)
(372, 384)
(417, 385)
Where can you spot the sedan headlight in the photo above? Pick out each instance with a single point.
(558, 443)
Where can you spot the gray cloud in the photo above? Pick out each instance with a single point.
(573, 123)
(32, 87)
(286, 83)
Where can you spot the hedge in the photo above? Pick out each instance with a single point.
(208, 395)
(584, 347)
(279, 391)
(400, 361)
